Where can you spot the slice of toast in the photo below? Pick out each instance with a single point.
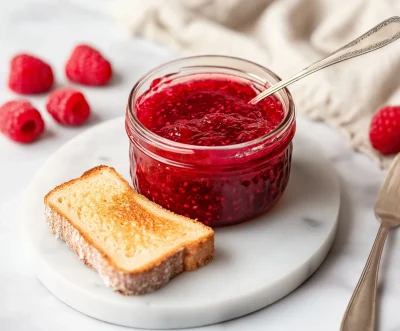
(135, 245)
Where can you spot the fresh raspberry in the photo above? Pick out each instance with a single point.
(384, 131)
(20, 121)
(68, 106)
(29, 75)
(87, 66)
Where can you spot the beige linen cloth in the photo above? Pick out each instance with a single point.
(286, 36)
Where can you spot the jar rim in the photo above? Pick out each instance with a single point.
(161, 142)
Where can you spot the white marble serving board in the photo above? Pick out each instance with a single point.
(256, 263)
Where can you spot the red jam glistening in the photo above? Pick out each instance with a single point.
(235, 163)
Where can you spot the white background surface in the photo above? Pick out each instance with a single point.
(50, 29)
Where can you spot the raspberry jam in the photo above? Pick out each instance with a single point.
(208, 111)
(200, 150)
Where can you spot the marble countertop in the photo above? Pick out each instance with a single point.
(50, 29)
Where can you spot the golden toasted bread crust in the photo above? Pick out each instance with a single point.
(152, 276)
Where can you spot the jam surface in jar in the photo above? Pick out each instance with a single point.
(211, 111)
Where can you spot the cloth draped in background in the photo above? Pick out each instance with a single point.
(286, 36)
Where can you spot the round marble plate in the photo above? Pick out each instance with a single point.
(256, 263)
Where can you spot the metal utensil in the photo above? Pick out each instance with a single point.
(361, 311)
(383, 34)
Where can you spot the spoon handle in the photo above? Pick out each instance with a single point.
(381, 35)
(361, 311)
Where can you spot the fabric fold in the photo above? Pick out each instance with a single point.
(286, 36)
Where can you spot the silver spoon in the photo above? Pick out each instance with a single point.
(360, 314)
(383, 34)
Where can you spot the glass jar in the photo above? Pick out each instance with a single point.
(217, 185)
